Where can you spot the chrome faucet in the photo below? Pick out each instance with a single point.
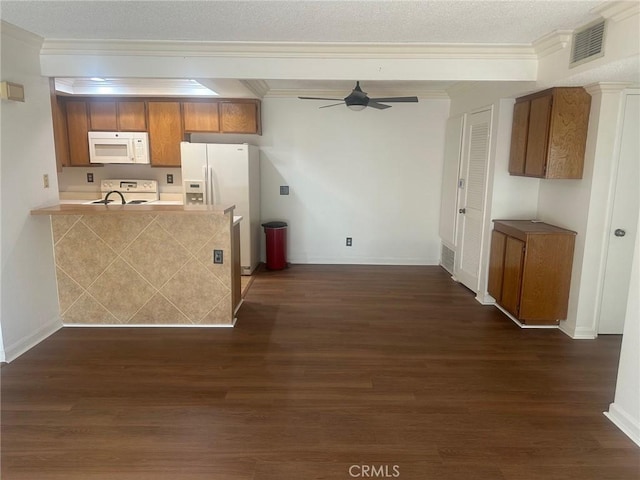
(106, 197)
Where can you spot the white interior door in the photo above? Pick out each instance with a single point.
(450, 175)
(473, 180)
(624, 224)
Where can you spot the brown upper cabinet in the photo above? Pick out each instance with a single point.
(201, 117)
(222, 116)
(549, 133)
(117, 116)
(165, 133)
(77, 132)
(166, 119)
(132, 116)
(240, 117)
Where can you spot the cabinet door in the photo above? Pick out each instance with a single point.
(568, 133)
(132, 117)
(78, 130)
(165, 133)
(102, 116)
(239, 117)
(519, 135)
(201, 117)
(512, 279)
(546, 278)
(538, 139)
(60, 135)
(496, 264)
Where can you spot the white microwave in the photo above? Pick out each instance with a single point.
(118, 147)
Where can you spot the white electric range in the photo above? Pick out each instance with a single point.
(134, 192)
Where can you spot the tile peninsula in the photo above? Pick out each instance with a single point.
(126, 265)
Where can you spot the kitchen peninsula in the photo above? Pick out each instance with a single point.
(146, 264)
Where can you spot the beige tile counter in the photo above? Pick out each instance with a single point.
(80, 209)
(143, 265)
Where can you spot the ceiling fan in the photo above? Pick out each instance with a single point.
(358, 100)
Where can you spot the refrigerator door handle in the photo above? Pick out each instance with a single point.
(205, 197)
(210, 182)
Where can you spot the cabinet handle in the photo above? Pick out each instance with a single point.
(619, 232)
(462, 210)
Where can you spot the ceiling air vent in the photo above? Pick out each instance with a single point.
(588, 43)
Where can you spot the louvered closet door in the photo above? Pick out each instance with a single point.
(473, 180)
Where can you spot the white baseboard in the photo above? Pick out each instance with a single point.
(578, 333)
(485, 299)
(624, 422)
(364, 261)
(524, 325)
(21, 346)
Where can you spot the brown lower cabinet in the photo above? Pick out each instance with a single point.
(530, 270)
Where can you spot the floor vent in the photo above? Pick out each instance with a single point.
(447, 259)
(587, 43)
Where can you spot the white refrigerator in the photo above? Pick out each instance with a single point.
(227, 174)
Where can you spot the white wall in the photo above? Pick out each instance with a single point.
(29, 308)
(371, 175)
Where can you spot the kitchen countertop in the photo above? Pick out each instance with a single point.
(153, 208)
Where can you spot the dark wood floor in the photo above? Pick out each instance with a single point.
(381, 370)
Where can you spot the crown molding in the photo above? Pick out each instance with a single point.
(20, 34)
(258, 87)
(286, 50)
(606, 87)
(552, 42)
(618, 10)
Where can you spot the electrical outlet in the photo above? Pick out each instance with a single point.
(89, 177)
(284, 190)
(169, 178)
(45, 180)
(217, 256)
(349, 241)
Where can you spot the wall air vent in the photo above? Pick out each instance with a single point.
(588, 43)
(447, 259)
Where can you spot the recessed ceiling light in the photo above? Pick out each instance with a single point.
(97, 79)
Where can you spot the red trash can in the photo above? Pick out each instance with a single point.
(276, 233)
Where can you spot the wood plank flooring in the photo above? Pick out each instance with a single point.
(332, 372)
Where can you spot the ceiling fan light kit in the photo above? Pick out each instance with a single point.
(358, 100)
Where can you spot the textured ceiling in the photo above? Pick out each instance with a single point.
(302, 21)
(425, 21)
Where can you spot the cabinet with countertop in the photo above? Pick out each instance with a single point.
(530, 270)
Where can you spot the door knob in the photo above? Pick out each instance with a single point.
(462, 210)
(619, 232)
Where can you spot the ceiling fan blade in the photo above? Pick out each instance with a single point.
(332, 105)
(377, 105)
(317, 98)
(395, 99)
